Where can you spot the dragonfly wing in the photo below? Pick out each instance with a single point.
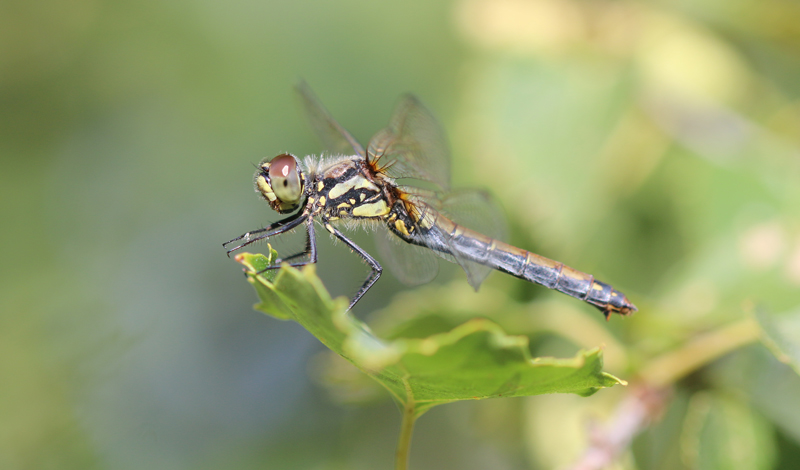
(411, 264)
(333, 136)
(412, 146)
(477, 211)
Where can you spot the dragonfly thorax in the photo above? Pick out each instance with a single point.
(346, 188)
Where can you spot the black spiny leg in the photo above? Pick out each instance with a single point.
(311, 251)
(375, 268)
(277, 228)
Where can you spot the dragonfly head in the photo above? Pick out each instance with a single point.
(281, 182)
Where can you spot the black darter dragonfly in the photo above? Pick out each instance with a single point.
(354, 185)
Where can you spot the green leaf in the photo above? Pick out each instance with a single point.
(474, 360)
(781, 335)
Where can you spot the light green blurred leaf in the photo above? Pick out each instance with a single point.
(474, 360)
(722, 433)
(781, 335)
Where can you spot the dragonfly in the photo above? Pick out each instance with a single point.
(401, 182)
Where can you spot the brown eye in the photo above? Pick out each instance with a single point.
(285, 179)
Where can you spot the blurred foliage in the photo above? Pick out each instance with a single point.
(782, 335)
(653, 144)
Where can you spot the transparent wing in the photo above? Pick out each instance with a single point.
(474, 210)
(411, 264)
(478, 211)
(412, 146)
(333, 136)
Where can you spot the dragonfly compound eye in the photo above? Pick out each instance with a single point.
(280, 182)
(285, 179)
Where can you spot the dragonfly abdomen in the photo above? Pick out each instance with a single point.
(537, 269)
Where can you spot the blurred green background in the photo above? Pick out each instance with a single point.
(653, 144)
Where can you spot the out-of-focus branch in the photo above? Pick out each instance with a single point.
(696, 353)
(650, 394)
(640, 407)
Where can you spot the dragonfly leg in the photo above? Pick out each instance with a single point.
(274, 229)
(375, 268)
(310, 250)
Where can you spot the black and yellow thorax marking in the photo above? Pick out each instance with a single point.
(348, 191)
(410, 221)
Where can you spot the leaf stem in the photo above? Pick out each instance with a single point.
(406, 430)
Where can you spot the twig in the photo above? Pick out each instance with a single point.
(647, 400)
